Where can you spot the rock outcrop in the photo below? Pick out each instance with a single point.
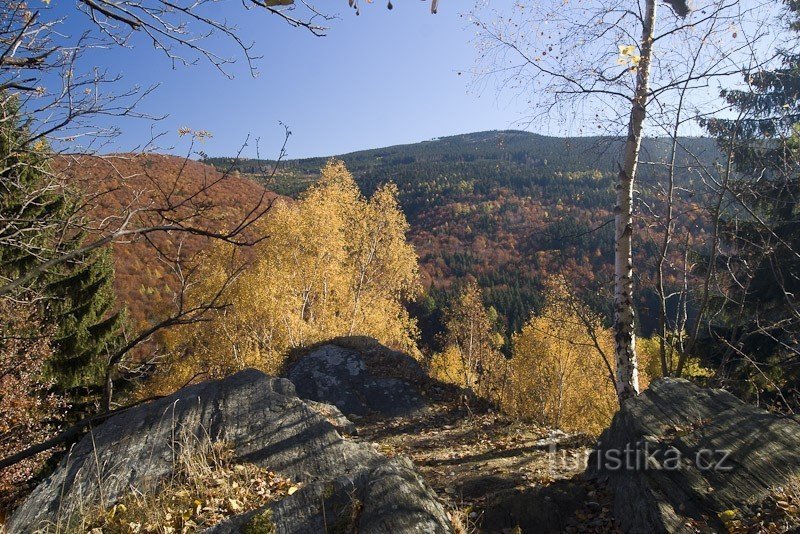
(679, 456)
(360, 377)
(266, 423)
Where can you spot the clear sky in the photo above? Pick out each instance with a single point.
(388, 76)
(381, 78)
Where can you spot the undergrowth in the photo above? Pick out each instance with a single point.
(206, 487)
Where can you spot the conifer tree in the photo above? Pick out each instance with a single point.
(76, 298)
(756, 341)
(30, 204)
(88, 325)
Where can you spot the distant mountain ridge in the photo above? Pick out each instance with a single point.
(492, 144)
(520, 151)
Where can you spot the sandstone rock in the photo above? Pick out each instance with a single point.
(267, 424)
(348, 374)
(730, 455)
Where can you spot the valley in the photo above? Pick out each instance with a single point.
(510, 208)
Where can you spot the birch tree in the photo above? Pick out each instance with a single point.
(606, 65)
(472, 357)
(335, 264)
(627, 384)
(561, 372)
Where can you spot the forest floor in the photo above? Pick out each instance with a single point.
(496, 474)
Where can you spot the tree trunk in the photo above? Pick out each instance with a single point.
(108, 391)
(624, 322)
(663, 325)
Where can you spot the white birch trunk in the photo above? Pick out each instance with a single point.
(624, 317)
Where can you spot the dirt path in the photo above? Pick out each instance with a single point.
(496, 475)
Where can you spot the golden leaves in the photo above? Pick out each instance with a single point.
(628, 56)
(335, 264)
(558, 372)
(472, 357)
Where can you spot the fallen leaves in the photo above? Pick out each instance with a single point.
(779, 512)
(207, 487)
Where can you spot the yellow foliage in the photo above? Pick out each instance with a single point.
(560, 370)
(334, 264)
(449, 366)
(472, 357)
(649, 352)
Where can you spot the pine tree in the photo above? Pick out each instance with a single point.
(30, 204)
(760, 333)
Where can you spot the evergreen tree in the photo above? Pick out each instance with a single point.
(760, 260)
(76, 298)
(83, 307)
(30, 204)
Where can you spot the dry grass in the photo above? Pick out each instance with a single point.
(463, 520)
(207, 486)
(464, 517)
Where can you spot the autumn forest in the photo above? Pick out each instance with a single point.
(567, 286)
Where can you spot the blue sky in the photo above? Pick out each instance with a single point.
(381, 78)
(385, 77)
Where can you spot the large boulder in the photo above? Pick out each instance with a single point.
(266, 423)
(679, 457)
(360, 377)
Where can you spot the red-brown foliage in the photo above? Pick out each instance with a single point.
(120, 184)
(25, 403)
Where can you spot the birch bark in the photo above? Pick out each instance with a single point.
(627, 379)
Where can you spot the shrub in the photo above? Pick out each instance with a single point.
(561, 374)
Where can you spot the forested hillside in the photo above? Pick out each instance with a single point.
(510, 208)
(135, 185)
(496, 331)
